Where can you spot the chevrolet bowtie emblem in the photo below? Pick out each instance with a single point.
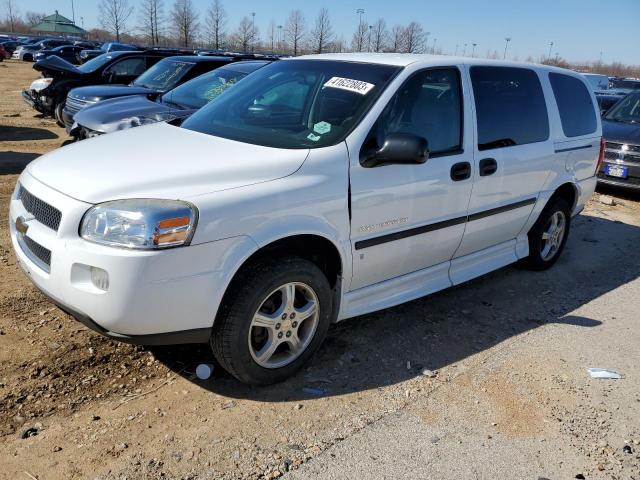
(21, 225)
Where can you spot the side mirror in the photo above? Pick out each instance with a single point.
(398, 148)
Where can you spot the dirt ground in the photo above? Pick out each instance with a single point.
(76, 405)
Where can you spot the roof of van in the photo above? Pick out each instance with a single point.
(404, 59)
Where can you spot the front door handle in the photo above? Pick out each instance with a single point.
(488, 166)
(460, 171)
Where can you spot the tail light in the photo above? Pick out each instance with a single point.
(601, 155)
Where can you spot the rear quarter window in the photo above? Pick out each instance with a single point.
(576, 110)
(510, 107)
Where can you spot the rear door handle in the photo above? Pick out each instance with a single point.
(460, 171)
(488, 166)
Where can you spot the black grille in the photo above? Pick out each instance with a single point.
(42, 211)
(38, 250)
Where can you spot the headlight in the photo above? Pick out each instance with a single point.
(145, 120)
(41, 84)
(140, 223)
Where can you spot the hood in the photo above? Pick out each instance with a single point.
(160, 161)
(54, 66)
(619, 132)
(122, 113)
(96, 93)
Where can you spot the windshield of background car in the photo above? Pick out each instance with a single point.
(295, 103)
(164, 75)
(198, 92)
(630, 84)
(626, 110)
(95, 63)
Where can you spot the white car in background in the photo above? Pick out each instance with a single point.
(317, 189)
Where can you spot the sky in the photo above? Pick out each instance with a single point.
(579, 29)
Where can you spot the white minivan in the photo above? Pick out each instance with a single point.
(317, 189)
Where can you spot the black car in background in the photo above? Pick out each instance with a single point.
(47, 95)
(66, 52)
(606, 101)
(88, 54)
(175, 105)
(26, 52)
(621, 132)
(162, 77)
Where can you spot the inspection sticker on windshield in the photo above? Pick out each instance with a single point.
(355, 86)
(313, 137)
(322, 128)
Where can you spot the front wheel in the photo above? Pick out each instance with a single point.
(58, 113)
(273, 319)
(548, 235)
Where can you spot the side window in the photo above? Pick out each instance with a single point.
(128, 66)
(510, 107)
(574, 104)
(428, 105)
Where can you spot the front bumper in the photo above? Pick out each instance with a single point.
(37, 101)
(631, 182)
(153, 297)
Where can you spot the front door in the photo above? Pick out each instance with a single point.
(407, 218)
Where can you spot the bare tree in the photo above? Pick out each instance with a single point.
(322, 33)
(215, 23)
(245, 34)
(12, 14)
(360, 37)
(294, 30)
(379, 35)
(414, 38)
(397, 39)
(185, 21)
(34, 18)
(151, 19)
(114, 15)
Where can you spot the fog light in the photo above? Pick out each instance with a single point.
(100, 278)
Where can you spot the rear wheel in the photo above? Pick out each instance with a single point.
(274, 318)
(548, 235)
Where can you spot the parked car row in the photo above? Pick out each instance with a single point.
(313, 190)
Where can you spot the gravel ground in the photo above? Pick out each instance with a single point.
(506, 394)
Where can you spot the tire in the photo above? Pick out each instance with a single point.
(57, 113)
(544, 252)
(256, 293)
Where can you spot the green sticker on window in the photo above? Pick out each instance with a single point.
(313, 138)
(322, 128)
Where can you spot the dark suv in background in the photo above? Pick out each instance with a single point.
(621, 132)
(162, 77)
(48, 95)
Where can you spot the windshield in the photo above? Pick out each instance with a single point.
(295, 103)
(198, 92)
(95, 63)
(630, 84)
(164, 75)
(626, 110)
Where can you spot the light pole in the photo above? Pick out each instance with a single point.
(456, 54)
(433, 48)
(506, 44)
(370, 29)
(253, 30)
(550, 47)
(73, 12)
(360, 12)
(464, 50)
(473, 52)
(280, 37)
(426, 42)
